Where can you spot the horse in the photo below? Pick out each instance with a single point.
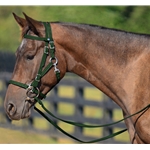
(114, 61)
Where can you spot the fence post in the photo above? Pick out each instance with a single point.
(54, 107)
(79, 111)
(107, 117)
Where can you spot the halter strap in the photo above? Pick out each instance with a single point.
(48, 34)
(48, 49)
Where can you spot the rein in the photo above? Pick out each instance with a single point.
(34, 88)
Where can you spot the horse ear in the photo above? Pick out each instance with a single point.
(34, 25)
(21, 22)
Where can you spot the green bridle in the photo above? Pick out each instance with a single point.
(48, 49)
(33, 87)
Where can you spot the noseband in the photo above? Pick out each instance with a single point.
(53, 61)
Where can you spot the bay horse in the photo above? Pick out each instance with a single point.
(115, 61)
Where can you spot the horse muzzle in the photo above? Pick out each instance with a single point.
(15, 112)
(18, 106)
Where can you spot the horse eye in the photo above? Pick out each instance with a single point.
(29, 57)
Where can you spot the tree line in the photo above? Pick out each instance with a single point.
(129, 18)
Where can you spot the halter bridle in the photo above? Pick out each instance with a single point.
(49, 48)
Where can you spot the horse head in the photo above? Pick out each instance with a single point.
(29, 55)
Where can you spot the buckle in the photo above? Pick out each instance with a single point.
(38, 77)
(46, 50)
(51, 43)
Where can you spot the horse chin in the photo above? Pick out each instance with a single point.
(26, 112)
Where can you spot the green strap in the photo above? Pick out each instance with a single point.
(25, 86)
(49, 40)
(48, 32)
(35, 38)
(83, 125)
(89, 126)
(46, 69)
(58, 76)
(92, 141)
(42, 64)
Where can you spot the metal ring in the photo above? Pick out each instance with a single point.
(56, 61)
(30, 90)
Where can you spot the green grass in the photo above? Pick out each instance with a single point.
(135, 19)
(8, 136)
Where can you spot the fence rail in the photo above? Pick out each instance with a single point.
(77, 105)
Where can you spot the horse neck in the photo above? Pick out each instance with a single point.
(100, 56)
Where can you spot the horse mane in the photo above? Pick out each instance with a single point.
(121, 45)
(104, 28)
(26, 29)
(119, 30)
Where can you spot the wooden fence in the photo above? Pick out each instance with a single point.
(71, 99)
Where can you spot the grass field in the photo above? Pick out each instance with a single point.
(18, 137)
(8, 136)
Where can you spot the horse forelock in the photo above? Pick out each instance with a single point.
(24, 31)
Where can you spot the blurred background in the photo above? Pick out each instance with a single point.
(97, 108)
(130, 18)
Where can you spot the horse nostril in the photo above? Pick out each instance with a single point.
(11, 109)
